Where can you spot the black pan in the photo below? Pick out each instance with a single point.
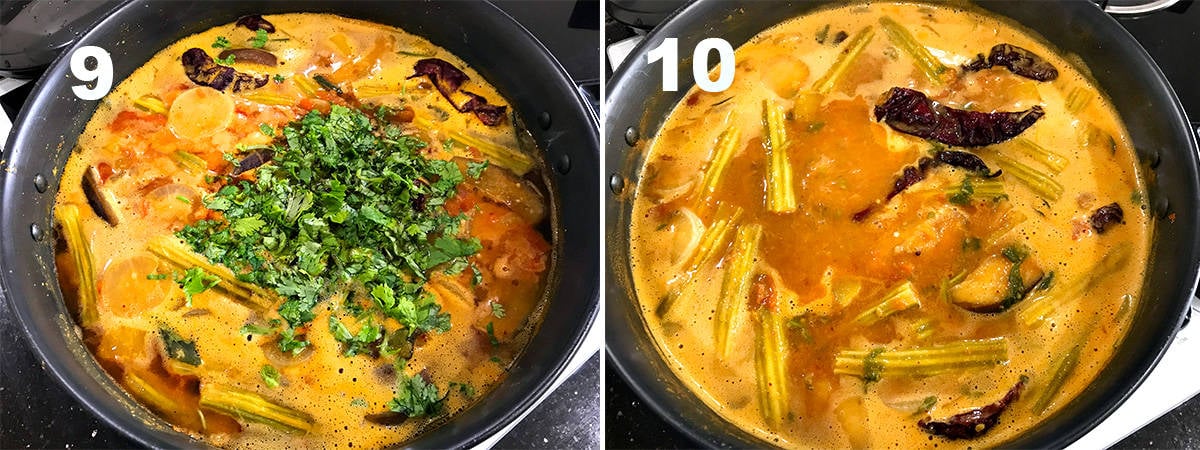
(635, 107)
(484, 36)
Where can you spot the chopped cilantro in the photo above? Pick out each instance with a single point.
(260, 38)
(345, 191)
(279, 78)
(254, 329)
(476, 276)
(289, 341)
(248, 225)
(269, 375)
(368, 335)
(195, 281)
(221, 42)
(964, 193)
(266, 129)
(226, 61)
(466, 389)
(475, 168)
(1015, 253)
(492, 335)
(498, 310)
(415, 397)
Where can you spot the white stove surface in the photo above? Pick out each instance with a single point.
(1172, 383)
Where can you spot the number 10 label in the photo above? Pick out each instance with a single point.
(668, 52)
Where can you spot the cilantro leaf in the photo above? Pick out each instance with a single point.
(269, 375)
(194, 281)
(248, 225)
(368, 335)
(475, 168)
(221, 42)
(415, 397)
(260, 38)
(498, 310)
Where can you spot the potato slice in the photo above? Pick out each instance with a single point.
(125, 289)
(200, 112)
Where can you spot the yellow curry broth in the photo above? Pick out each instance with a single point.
(148, 160)
(843, 161)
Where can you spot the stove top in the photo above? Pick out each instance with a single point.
(1164, 412)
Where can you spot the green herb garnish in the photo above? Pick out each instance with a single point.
(415, 397)
(195, 281)
(347, 200)
(260, 38)
(221, 42)
(269, 374)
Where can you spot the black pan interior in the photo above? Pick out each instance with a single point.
(635, 108)
(493, 43)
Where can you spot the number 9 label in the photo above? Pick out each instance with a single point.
(102, 74)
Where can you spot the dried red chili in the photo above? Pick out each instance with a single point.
(911, 112)
(448, 79)
(254, 23)
(1106, 216)
(1018, 60)
(973, 423)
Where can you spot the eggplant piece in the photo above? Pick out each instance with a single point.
(973, 423)
(387, 418)
(103, 202)
(506, 188)
(252, 55)
(255, 22)
(911, 112)
(202, 70)
(253, 160)
(996, 284)
(1106, 216)
(1017, 60)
